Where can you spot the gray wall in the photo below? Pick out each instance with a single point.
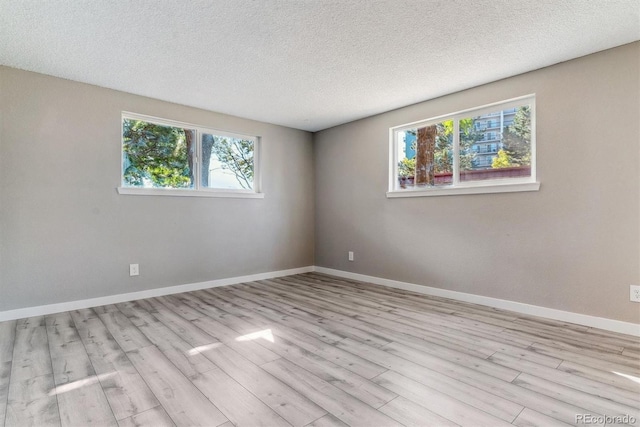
(65, 233)
(574, 245)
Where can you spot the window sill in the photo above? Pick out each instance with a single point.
(476, 189)
(188, 193)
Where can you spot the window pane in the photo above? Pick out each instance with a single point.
(156, 156)
(425, 155)
(227, 162)
(496, 145)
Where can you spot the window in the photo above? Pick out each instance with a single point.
(458, 154)
(172, 158)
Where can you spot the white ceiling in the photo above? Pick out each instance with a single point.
(307, 64)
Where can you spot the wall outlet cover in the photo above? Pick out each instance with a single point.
(134, 270)
(634, 293)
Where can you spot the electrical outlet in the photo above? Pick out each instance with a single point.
(350, 256)
(134, 270)
(634, 293)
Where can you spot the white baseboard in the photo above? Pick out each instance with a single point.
(518, 307)
(114, 299)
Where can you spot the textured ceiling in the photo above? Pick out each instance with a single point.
(307, 64)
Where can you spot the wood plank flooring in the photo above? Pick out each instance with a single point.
(312, 350)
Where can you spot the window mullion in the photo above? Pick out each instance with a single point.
(197, 174)
(456, 151)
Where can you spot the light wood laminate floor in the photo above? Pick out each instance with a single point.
(312, 350)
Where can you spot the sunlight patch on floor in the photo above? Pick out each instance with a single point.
(79, 383)
(629, 377)
(266, 334)
(196, 350)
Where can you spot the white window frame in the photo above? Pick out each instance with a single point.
(500, 185)
(198, 190)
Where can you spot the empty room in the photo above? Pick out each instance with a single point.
(319, 213)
